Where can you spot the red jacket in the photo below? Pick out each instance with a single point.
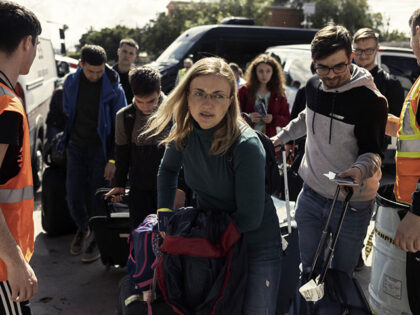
(277, 106)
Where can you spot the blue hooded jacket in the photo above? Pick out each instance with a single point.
(111, 100)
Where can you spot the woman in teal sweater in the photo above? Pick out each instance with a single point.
(207, 119)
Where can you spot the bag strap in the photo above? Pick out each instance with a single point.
(129, 118)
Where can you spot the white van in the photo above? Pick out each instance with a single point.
(35, 90)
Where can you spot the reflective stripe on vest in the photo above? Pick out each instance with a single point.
(407, 157)
(16, 195)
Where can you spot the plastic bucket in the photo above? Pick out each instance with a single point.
(388, 284)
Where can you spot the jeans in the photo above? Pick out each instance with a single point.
(85, 174)
(264, 263)
(311, 214)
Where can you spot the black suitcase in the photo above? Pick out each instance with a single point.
(131, 304)
(342, 293)
(111, 224)
(56, 219)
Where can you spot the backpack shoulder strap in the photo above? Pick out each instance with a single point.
(229, 152)
(129, 118)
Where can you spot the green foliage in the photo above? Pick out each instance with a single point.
(109, 38)
(161, 31)
(353, 14)
(75, 55)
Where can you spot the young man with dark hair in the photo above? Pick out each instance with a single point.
(365, 47)
(127, 53)
(407, 183)
(137, 154)
(344, 122)
(91, 98)
(19, 31)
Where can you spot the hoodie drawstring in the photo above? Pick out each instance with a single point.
(315, 106)
(331, 116)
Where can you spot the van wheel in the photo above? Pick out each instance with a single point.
(38, 165)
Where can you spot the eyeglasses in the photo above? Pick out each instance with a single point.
(337, 69)
(217, 98)
(367, 52)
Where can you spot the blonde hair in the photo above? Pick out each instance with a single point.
(175, 108)
(365, 33)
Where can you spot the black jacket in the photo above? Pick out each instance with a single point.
(391, 88)
(204, 263)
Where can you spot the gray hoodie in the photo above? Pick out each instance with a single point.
(345, 128)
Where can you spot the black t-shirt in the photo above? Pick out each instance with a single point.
(125, 84)
(84, 130)
(11, 133)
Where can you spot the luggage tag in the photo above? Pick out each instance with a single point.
(312, 291)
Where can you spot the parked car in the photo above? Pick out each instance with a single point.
(234, 43)
(65, 65)
(35, 90)
(296, 60)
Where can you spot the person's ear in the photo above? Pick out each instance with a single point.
(27, 42)
(351, 57)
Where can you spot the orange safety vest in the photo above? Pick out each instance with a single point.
(408, 147)
(17, 194)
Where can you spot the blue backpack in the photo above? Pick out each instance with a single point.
(143, 249)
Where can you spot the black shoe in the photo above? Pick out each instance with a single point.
(77, 243)
(91, 252)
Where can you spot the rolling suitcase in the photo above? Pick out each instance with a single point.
(332, 291)
(111, 224)
(55, 217)
(289, 274)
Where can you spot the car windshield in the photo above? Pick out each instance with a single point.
(175, 52)
(296, 65)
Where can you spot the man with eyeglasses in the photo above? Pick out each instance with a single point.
(365, 46)
(344, 122)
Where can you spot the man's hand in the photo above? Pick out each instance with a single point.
(392, 125)
(109, 171)
(22, 280)
(268, 118)
(408, 233)
(255, 117)
(354, 173)
(179, 199)
(276, 142)
(116, 194)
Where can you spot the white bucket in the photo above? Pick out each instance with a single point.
(388, 284)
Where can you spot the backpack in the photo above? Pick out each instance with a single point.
(52, 155)
(272, 174)
(143, 244)
(129, 118)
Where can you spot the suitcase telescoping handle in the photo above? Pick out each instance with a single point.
(313, 290)
(286, 189)
(325, 233)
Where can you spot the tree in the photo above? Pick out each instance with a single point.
(160, 32)
(109, 38)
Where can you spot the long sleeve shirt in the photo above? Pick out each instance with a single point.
(239, 190)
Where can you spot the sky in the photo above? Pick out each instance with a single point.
(80, 15)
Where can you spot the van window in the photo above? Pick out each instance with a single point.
(175, 52)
